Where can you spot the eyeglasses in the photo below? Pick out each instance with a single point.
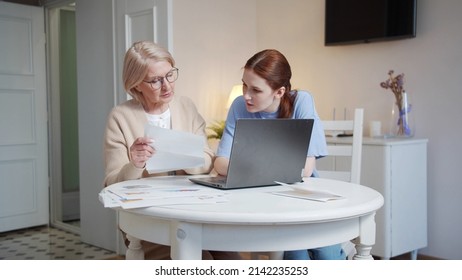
(158, 82)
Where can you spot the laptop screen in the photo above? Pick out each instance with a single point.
(268, 150)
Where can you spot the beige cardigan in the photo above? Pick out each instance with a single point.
(126, 122)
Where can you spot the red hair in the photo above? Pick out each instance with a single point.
(273, 66)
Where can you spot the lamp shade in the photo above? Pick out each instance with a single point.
(235, 92)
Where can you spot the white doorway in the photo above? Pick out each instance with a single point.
(63, 112)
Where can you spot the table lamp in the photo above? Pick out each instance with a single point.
(235, 92)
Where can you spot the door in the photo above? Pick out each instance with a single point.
(136, 21)
(23, 118)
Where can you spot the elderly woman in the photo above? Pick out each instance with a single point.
(149, 76)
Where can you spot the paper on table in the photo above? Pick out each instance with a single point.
(175, 150)
(137, 196)
(154, 192)
(107, 200)
(203, 199)
(309, 194)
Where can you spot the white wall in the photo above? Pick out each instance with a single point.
(213, 39)
(349, 76)
(211, 42)
(95, 78)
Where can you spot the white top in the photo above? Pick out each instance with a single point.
(162, 120)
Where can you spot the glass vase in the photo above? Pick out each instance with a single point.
(402, 117)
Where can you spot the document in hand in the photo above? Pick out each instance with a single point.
(175, 149)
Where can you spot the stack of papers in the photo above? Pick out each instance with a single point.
(137, 196)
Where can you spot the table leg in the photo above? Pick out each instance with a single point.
(366, 238)
(414, 254)
(185, 241)
(134, 250)
(278, 255)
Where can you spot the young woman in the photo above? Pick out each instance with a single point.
(267, 94)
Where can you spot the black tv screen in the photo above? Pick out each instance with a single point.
(363, 21)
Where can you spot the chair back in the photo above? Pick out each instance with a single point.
(352, 150)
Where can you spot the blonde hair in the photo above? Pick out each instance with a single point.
(136, 61)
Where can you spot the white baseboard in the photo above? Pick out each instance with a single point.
(71, 206)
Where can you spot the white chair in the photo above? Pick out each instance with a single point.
(350, 152)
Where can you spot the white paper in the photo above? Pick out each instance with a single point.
(108, 200)
(175, 150)
(203, 199)
(137, 196)
(154, 192)
(309, 194)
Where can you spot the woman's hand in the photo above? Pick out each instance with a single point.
(310, 165)
(141, 151)
(221, 165)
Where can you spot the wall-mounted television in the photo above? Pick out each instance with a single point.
(363, 21)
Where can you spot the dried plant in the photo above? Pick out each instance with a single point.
(396, 85)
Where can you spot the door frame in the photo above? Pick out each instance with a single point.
(55, 155)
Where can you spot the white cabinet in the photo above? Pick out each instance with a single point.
(397, 168)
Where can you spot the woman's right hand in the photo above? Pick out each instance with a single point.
(221, 165)
(141, 151)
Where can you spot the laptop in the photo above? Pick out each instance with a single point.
(263, 152)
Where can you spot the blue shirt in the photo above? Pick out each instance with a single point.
(304, 109)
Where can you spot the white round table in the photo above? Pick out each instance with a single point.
(255, 220)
